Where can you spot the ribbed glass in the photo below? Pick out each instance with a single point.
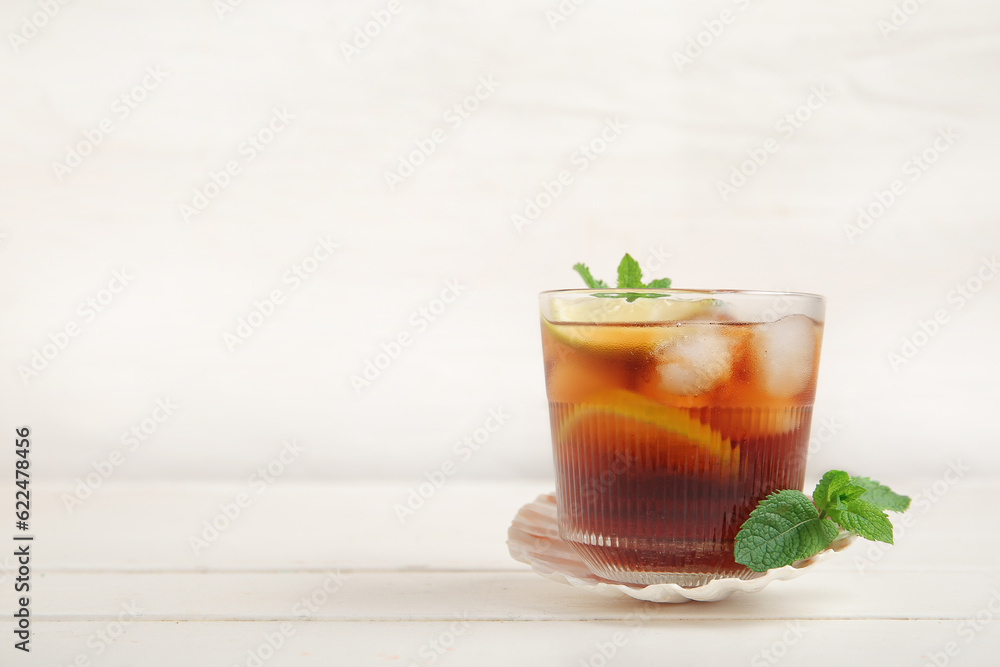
(674, 412)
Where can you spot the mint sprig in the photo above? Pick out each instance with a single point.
(629, 277)
(787, 526)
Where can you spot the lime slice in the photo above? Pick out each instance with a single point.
(623, 419)
(609, 324)
(618, 310)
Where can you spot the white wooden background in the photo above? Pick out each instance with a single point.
(147, 390)
(652, 192)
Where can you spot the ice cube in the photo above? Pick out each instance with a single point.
(786, 352)
(694, 361)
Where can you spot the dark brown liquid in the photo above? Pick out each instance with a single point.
(652, 486)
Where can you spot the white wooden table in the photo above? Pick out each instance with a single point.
(328, 575)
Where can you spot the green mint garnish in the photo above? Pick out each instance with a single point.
(882, 496)
(865, 519)
(783, 528)
(629, 277)
(629, 273)
(584, 272)
(787, 526)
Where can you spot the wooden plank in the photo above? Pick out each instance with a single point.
(585, 644)
(489, 596)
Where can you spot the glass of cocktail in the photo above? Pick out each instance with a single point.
(673, 413)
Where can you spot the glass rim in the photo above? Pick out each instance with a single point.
(666, 291)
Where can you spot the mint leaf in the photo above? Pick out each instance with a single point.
(584, 272)
(881, 496)
(784, 528)
(629, 273)
(629, 277)
(827, 492)
(865, 519)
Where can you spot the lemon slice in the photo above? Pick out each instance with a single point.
(623, 419)
(609, 324)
